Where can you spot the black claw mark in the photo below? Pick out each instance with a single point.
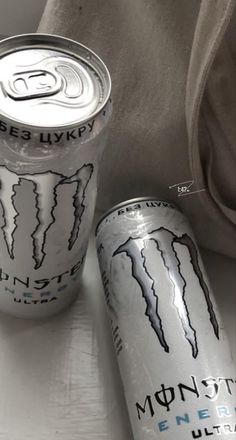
(36, 245)
(14, 220)
(179, 284)
(39, 235)
(38, 250)
(82, 177)
(9, 243)
(187, 241)
(3, 228)
(146, 283)
(189, 331)
(165, 240)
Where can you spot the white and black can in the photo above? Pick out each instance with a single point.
(174, 358)
(54, 109)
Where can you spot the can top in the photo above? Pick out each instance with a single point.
(131, 205)
(50, 81)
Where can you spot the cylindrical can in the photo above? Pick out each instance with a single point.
(54, 108)
(173, 354)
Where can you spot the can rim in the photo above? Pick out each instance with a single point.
(128, 202)
(36, 40)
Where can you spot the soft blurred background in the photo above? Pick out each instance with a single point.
(20, 16)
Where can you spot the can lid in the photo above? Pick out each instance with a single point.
(50, 81)
(130, 202)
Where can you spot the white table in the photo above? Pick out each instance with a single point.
(59, 378)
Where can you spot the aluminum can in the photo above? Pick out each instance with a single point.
(174, 358)
(54, 108)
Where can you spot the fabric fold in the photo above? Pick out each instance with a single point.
(214, 18)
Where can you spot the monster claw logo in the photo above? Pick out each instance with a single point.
(45, 189)
(81, 178)
(164, 241)
(147, 286)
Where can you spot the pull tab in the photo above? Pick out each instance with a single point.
(32, 84)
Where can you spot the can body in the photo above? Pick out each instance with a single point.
(173, 354)
(52, 133)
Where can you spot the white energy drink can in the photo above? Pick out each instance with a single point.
(174, 358)
(54, 108)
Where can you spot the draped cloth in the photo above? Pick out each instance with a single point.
(173, 68)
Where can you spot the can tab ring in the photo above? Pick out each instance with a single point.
(32, 84)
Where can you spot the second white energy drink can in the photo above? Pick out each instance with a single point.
(54, 110)
(174, 358)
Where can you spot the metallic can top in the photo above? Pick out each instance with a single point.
(50, 81)
(131, 205)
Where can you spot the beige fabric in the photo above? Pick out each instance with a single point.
(160, 55)
(212, 152)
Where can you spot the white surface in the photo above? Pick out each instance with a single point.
(59, 378)
(20, 16)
